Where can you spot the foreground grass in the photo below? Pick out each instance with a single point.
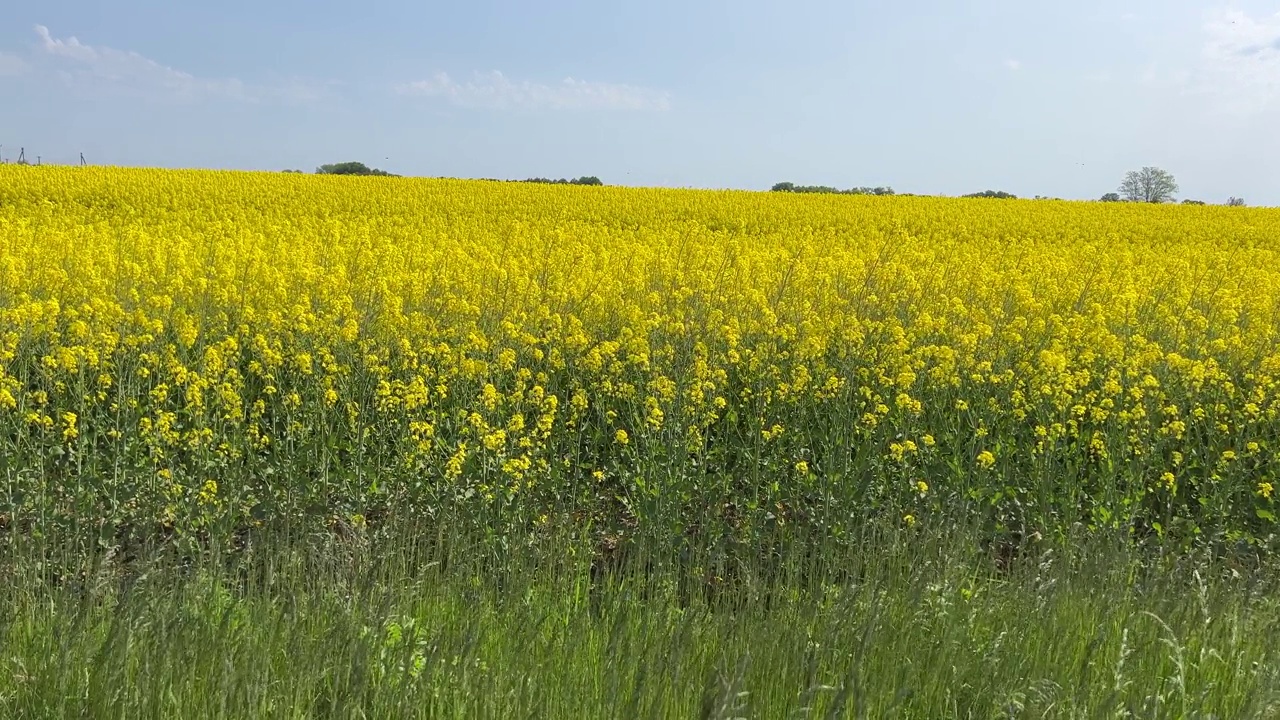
(902, 627)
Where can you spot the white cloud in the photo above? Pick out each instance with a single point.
(11, 65)
(495, 91)
(129, 69)
(1013, 64)
(125, 70)
(1240, 61)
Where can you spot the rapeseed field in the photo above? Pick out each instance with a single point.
(191, 352)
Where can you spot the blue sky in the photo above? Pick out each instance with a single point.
(927, 96)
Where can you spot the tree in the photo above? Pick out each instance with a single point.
(350, 168)
(1150, 185)
(1111, 197)
(1189, 201)
(1234, 201)
(997, 194)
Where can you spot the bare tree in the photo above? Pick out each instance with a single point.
(1234, 201)
(1150, 184)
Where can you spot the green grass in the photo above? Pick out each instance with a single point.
(425, 623)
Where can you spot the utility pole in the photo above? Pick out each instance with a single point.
(22, 156)
(82, 162)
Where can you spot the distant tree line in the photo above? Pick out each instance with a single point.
(1154, 185)
(1148, 185)
(826, 189)
(584, 180)
(359, 168)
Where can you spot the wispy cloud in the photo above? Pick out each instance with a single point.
(496, 91)
(1241, 60)
(12, 65)
(125, 70)
(1012, 64)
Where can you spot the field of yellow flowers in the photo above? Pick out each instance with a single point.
(200, 352)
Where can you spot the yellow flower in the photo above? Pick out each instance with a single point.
(69, 430)
(208, 493)
(495, 440)
(453, 469)
(772, 432)
(621, 437)
(986, 459)
(802, 467)
(1264, 490)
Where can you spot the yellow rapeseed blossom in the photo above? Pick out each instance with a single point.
(420, 339)
(986, 459)
(208, 493)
